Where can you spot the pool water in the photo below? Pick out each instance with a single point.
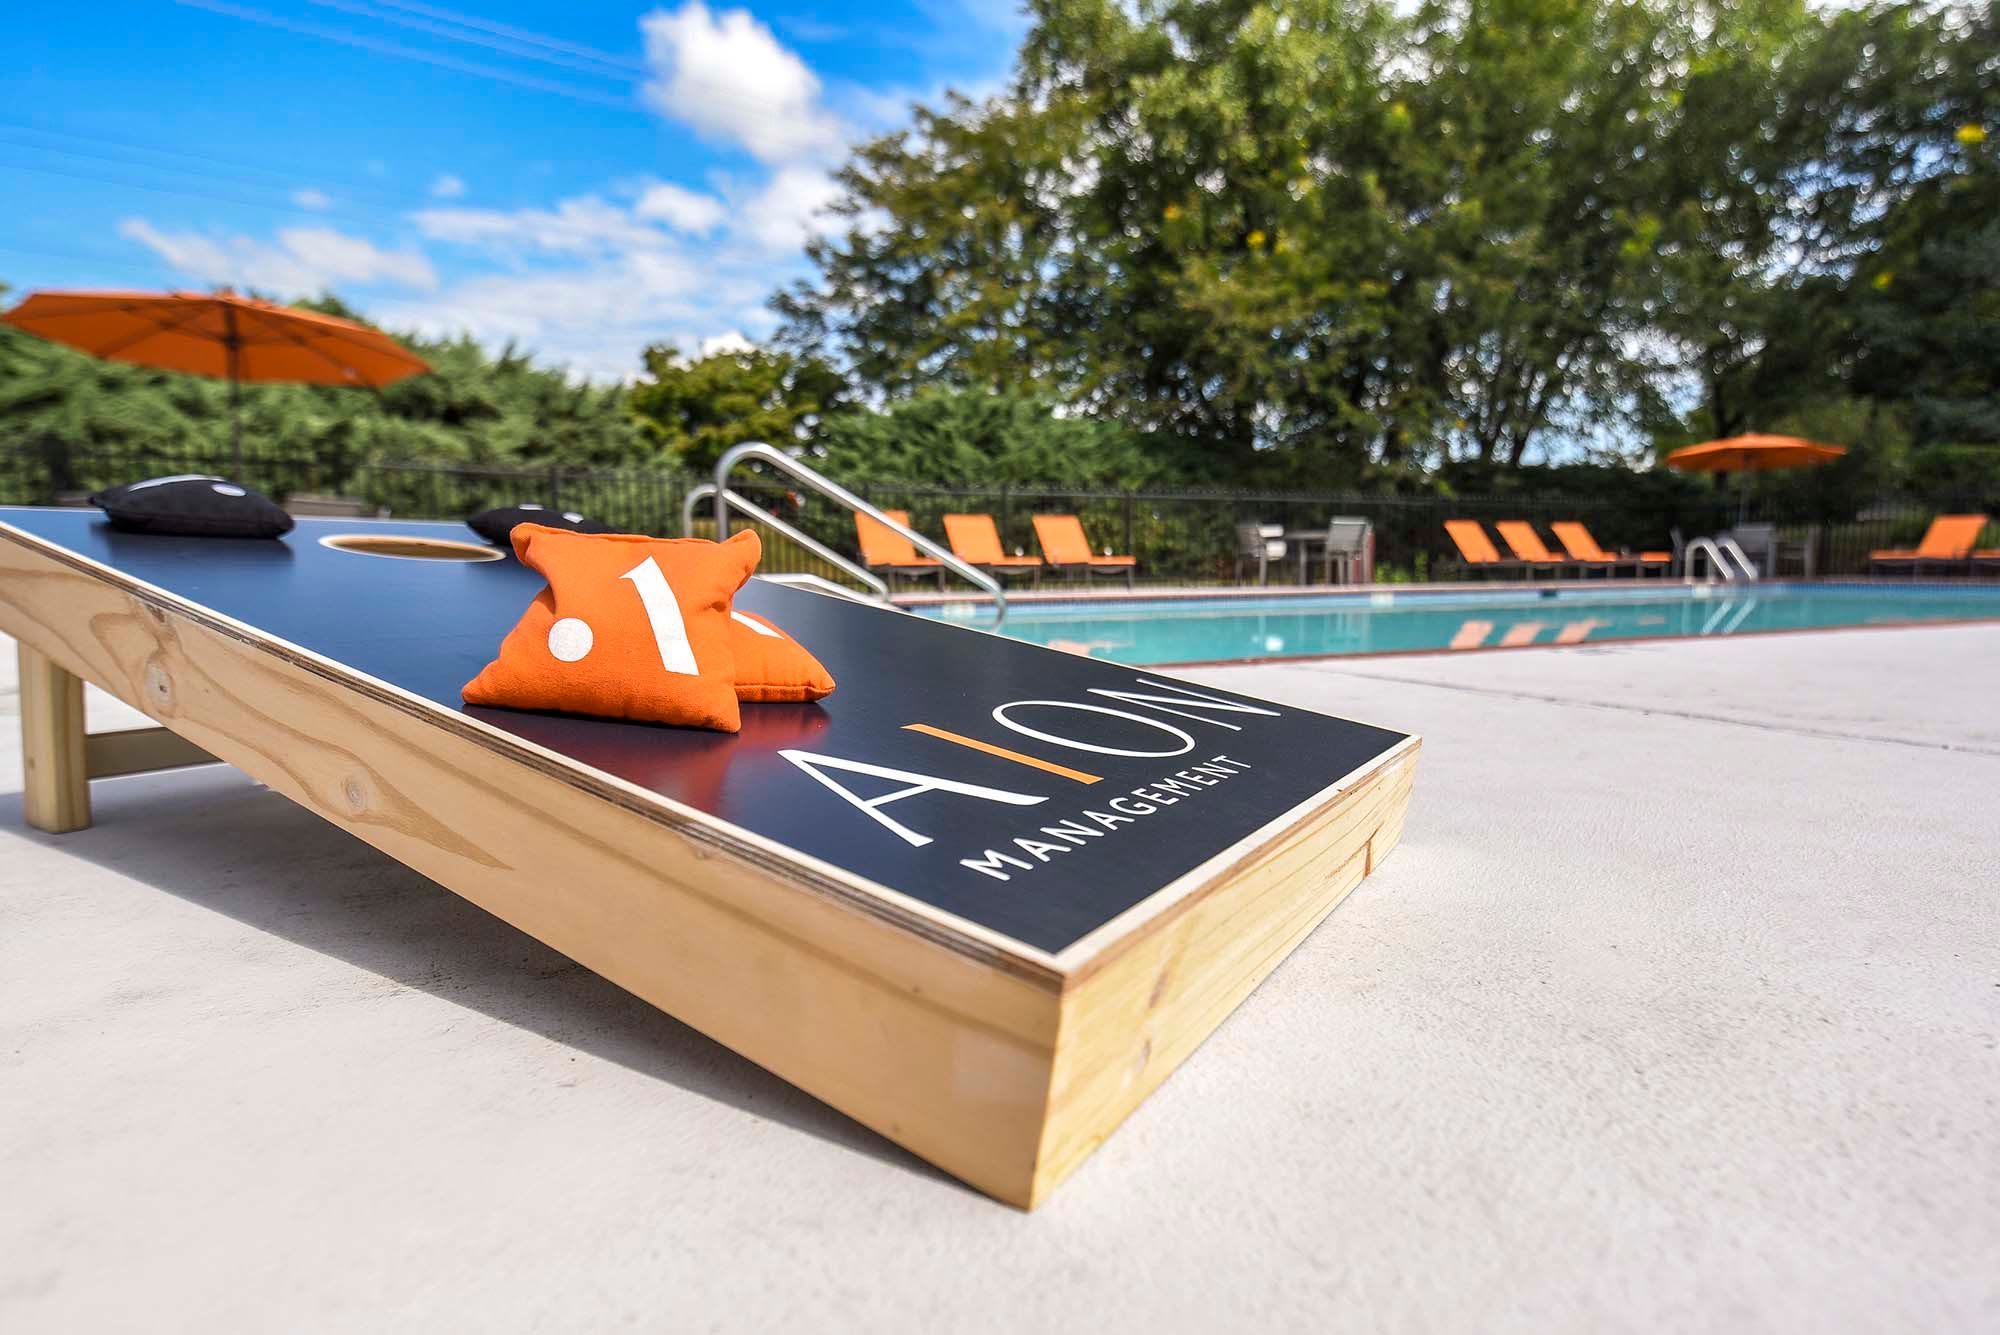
(1235, 627)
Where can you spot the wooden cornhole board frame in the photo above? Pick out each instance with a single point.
(997, 1019)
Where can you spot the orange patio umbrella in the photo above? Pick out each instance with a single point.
(1752, 453)
(218, 334)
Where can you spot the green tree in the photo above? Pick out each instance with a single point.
(1331, 242)
(697, 409)
(89, 422)
(1529, 201)
(1924, 305)
(974, 438)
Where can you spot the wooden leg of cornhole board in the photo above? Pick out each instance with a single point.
(59, 759)
(56, 792)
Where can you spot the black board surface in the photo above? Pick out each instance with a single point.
(1107, 797)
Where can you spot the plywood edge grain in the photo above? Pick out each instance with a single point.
(1141, 1011)
(1129, 929)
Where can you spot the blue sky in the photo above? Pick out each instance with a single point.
(583, 178)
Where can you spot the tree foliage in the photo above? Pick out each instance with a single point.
(1338, 241)
(955, 437)
(695, 410)
(474, 407)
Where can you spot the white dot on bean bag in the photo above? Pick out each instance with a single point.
(225, 489)
(570, 639)
(573, 516)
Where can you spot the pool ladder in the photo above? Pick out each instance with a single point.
(878, 591)
(1726, 561)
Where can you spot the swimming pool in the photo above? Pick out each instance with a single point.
(1234, 627)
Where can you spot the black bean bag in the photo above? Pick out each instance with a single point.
(497, 526)
(193, 505)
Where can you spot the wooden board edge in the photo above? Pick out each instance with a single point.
(1157, 911)
(946, 1054)
(1136, 1016)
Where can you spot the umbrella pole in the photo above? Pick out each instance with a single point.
(236, 424)
(234, 342)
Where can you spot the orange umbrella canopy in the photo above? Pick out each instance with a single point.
(218, 334)
(1752, 453)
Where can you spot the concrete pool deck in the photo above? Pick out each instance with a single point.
(1678, 1007)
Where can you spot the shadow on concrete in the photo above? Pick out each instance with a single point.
(213, 837)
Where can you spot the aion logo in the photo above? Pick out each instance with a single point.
(1065, 726)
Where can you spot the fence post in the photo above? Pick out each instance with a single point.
(555, 486)
(1127, 548)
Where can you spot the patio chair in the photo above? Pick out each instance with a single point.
(1526, 544)
(975, 539)
(1578, 542)
(1262, 543)
(1760, 543)
(885, 550)
(1948, 542)
(1476, 550)
(1347, 543)
(1068, 550)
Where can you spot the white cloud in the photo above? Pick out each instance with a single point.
(447, 187)
(584, 225)
(309, 198)
(728, 342)
(730, 79)
(302, 261)
(682, 209)
(594, 318)
(789, 209)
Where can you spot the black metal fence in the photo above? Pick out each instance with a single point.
(1178, 536)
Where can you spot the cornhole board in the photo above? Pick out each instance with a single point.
(983, 899)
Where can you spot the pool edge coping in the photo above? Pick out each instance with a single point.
(1269, 660)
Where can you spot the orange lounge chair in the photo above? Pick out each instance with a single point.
(1948, 542)
(1576, 540)
(1475, 550)
(882, 548)
(976, 540)
(1526, 544)
(1068, 550)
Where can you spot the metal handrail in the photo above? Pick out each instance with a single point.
(840, 495)
(697, 494)
(1717, 550)
(1735, 551)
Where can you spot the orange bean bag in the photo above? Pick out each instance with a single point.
(771, 665)
(629, 627)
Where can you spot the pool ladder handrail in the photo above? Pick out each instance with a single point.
(878, 590)
(725, 500)
(1721, 553)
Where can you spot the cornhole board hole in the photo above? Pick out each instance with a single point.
(983, 899)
